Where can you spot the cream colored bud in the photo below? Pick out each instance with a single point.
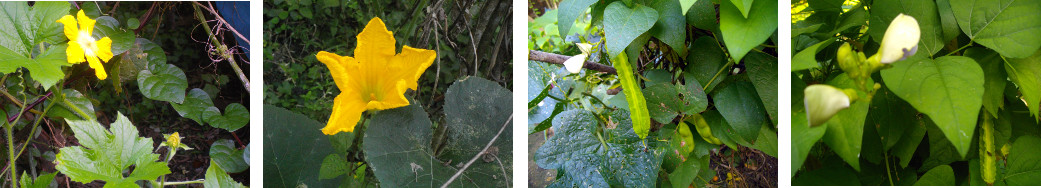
(574, 64)
(822, 102)
(901, 39)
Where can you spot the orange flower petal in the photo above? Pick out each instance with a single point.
(375, 43)
(71, 29)
(347, 109)
(104, 49)
(74, 53)
(86, 24)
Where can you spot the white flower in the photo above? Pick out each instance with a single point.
(574, 64)
(901, 39)
(822, 102)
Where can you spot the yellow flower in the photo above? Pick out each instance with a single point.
(174, 140)
(376, 78)
(83, 47)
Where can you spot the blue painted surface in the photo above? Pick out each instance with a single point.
(237, 15)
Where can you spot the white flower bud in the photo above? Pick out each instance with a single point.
(901, 39)
(574, 64)
(822, 102)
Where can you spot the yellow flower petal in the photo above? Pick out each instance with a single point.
(347, 109)
(104, 49)
(74, 53)
(71, 29)
(415, 61)
(86, 24)
(98, 69)
(375, 43)
(336, 66)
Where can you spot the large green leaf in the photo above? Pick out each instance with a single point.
(942, 175)
(703, 15)
(1026, 73)
(623, 24)
(42, 181)
(949, 90)
(585, 162)
(164, 82)
(740, 106)
(829, 176)
(475, 110)
(762, 71)
(195, 106)
(22, 28)
(1024, 164)
(742, 33)
(1007, 26)
(671, 26)
(397, 148)
(106, 154)
(704, 61)
(846, 128)
(217, 177)
(923, 11)
(44, 68)
(569, 11)
(235, 116)
(223, 153)
(293, 149)
(803, 139)
(995, 78)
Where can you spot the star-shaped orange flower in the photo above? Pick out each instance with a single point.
(376, 78)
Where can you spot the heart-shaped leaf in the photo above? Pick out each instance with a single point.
(235, 116)
(740, 106)
(293, 149)
(569, 11)
(623, 24)
(1026, 73)
(742, 33)
(948, 89)
(196, 106)
(164, 82)
(223, 153)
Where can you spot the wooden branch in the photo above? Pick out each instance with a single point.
(559, 59)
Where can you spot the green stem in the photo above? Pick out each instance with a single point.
(959, 49)
(222, 49)
(186, 182)
(10, 154)
(721, 69)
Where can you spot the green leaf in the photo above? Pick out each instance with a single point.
(623, 24)
(195, 107)
(42, 181)
(217, 177)
(762, 71)
(744, 5)
(76, 101)
(767, 141)
(686, 4)
(142, 55)
(948, 23)
(829, 176)
(994, 76)
(1009, 27)
(1026, 73)
(133, 23)
(1024, 165)
(807, 58)
(703, 15)
(671, 27)
(853, 18)
(704, 61)
(923, 11)
(846, 129)
(569, 11)
(332, 166)
(235, 116)
(22, 27)
(45, 68)
(163, 82)
(584, 161)
(741, 108)
(293, 145)
(666, 100)
(223, 153)
(397, 147)
(476, 110)
(685, 174)
(803, 139)
(949, 90)
(742, 33)
(942, 175)
(105, 154)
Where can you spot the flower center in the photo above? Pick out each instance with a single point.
(86, 43)
(372, 97)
